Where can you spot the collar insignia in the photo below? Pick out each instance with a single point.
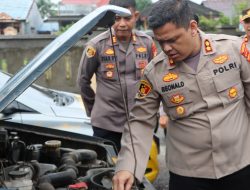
(170, 77)
(114, 39)
(154, 49)
(208, 47)
(220, 59)
(134, 37)
(171, 62)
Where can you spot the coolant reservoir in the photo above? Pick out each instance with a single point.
(18, 181)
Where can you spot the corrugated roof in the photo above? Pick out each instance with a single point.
(17, 9)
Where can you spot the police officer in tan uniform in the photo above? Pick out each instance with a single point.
(245, 49)
(203, 82)
(132, 50)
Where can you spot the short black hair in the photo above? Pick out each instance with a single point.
(196, 18)
(177, 12)
(124, 3)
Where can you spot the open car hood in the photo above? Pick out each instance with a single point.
(103, 16)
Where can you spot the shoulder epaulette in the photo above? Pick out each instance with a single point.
(100, 37)
(158, 59)
(219, 37)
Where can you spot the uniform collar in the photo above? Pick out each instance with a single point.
(134, 38)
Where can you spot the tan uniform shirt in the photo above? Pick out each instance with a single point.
(209, 109)
(106, 107)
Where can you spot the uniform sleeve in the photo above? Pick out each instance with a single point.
(87, 68)
(143, 118)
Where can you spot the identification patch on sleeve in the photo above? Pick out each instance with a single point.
(90, 51)
(144, 89)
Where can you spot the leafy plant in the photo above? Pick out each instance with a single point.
(142, 4)
(46, 8)
(207, 24)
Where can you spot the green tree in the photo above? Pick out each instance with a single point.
(46, 8)
(239, 7)
(223, 20)
(207, 24)
(142, 4)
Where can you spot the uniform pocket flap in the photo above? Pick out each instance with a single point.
(225, 81)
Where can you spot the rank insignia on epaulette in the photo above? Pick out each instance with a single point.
(109, 51)
(144, 89)
(233, 92)
(208, 47)
(170, 77)
(220, 59)
(180, 110)
(90, 51)
(178, 98)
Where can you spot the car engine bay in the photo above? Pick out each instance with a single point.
(35, 160)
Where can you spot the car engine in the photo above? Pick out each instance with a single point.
(32, 160)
